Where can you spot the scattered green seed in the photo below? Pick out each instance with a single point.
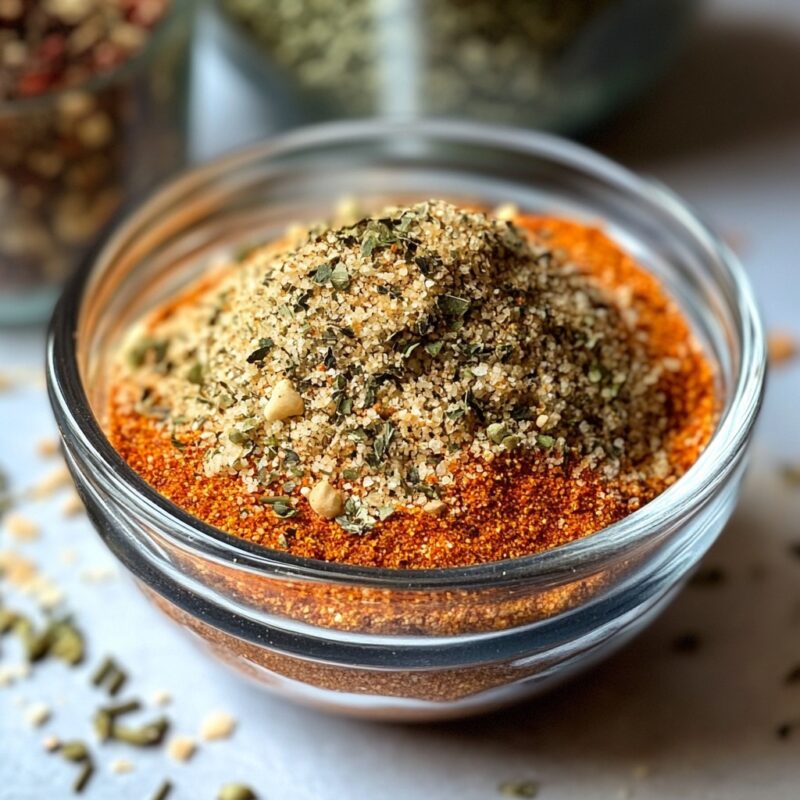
(236, 791)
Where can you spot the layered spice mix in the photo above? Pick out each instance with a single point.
(428, 387)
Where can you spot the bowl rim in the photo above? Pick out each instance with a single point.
(78, 425)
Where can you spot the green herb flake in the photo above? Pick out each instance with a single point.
(147, 348)
(340, 279)
(163, 791)
(74, 750)
(177, 443)
(284, 510)
(111, 675)
(519, 789)
(236, 791)
(791, 474)
(383, 441)
(195, 374)
(545, 441)
(434, 348)
(261, 352)
(452, 306)
(322, 274)
(497, 431)
(66, 642)
(147, 735)
(84, 775)
(356, 517)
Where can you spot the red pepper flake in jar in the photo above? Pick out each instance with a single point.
(49, 45)
(490, 388)
(77, 134)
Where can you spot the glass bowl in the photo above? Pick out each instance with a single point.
(402, 644)
(70, 158)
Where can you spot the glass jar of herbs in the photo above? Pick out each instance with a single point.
(554, 64)
(92, 112)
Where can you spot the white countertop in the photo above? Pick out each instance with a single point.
(724, 130)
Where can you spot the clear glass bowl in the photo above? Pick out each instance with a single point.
(71, 158)
(393, 643)
(559, 66)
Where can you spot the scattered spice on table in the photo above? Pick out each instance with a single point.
(57, 637)
(519, 789)
(38, 714)
(686, 643)
(72, 505)
(21, 527)
(48, 448)
(236, 791)
(793, 676)
(121, 766)
(403, 391)
(181, 748)
(783, 347)
(785, 729)
(163, 791)
(217, 725)
(791, 474)
(707, 577)
(55, 480)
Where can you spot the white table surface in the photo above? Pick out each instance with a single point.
(724, 130)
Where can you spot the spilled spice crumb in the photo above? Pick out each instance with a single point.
(519, 789)
(686, 644)
(782, 347)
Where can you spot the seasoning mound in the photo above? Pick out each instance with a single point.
(414, 372)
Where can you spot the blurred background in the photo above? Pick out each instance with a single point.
(101, 100)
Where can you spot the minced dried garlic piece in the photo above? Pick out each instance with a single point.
(435, 508)
(217, 725)
(325, 500)
(284, 402)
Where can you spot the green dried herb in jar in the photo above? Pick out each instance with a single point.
(556, 65)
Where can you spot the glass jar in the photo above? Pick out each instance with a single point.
(70, 158)
(552, 64)
(402, 644)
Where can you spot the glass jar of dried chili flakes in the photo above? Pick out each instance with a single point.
(93, 98)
